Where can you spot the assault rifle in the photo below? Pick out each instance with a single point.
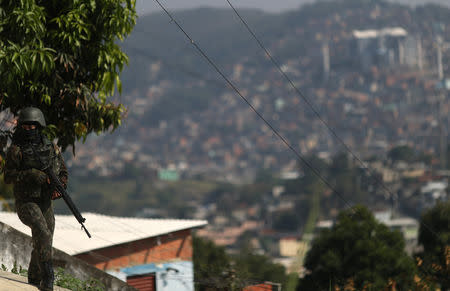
(56, 185)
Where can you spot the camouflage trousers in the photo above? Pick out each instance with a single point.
(40, 218)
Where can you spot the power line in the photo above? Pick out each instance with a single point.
(316, 112)
(307, 101)
(210, 61)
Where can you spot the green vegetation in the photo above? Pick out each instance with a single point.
(313, 214)
(402, 153)
(360, 251)
(211, 263)
(16, 269)
(63, 57)
(65, 280)
(434, 236)
(253, 268)
(126, 197)
(215, 269)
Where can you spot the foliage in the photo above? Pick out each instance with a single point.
(264, 176)
(16, 269)
(253, 269)
(292, 282)
(360, 250)
(211, 263)
(215, 270)
(309, 181)
(62, 57)
(402, 153)
(286, 221)
(346, 179)
(19, 270)
(434, 236)
(253, 193)
(65, 280)
(313, 212)
(94, 194)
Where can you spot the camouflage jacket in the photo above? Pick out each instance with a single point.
(20, 159)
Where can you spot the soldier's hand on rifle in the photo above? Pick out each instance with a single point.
(56, 195)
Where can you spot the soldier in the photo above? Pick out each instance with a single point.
(29, 154)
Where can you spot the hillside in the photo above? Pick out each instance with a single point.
(155, 38)
(182, 114)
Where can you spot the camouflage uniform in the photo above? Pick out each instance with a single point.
(33, 196)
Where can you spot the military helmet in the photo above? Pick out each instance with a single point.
(31, 115)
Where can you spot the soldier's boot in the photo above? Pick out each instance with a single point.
(47, 276)
(34, 271)
(33, 280)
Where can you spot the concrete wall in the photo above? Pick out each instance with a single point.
(16, 247)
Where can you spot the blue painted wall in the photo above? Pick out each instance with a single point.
(172, 276)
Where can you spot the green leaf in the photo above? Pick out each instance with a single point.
(119, 84)
(47, 99)
(44, 57)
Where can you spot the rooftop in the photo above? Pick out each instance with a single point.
(373, 33)
(106, 230)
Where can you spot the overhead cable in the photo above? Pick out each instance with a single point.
(211, 62)
(316, 112)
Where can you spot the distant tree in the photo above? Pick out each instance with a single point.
(253, 193)
(215, 270)
(63, 57)
(347, 179)
(434, 236)
(211, 265)
(264, 176)
(360, 251)
(448, 156)
(318, 166)
(286, 221)
(252, 269)
(402, 153)
(309, 177)
(340, 163)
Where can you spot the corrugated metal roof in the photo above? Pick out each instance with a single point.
(105, 230)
